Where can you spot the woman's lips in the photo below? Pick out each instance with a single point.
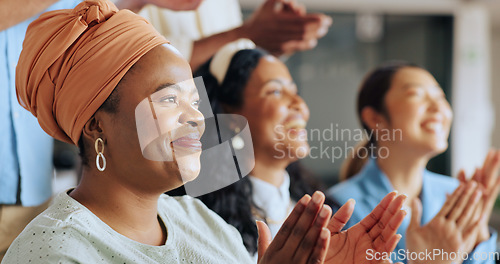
(433, 126)
(295, 124)
(298, 133)
(188, 142)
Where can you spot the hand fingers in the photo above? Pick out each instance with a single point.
(478, 212)
(470, 230)
(464, 201)
(477, 176)
(298, 20)
(461, 176)
(294, 8)
(468, 214)
(298, 30)
(492, 196)
(287, 227)
(488, 160)
(307, 245)
(298, 45)
(369, 221)
(271, 3)
(341, 217)
(305, 221)
(391, 211)
(382, 240)
(450, 201)
(470, 234)
(324, 25)
(491, 173)
(275, 46)
(393, 242)
(326, 21)
(264, 239)
(487, 165)
(321, 248)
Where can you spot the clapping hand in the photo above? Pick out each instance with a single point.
(303, 237)
(310, 236)
(453, 230)
(489, 183)
(284, 27)
(375, 233)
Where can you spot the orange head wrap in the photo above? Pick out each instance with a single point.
(73, 59)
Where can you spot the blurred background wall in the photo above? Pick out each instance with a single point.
(457, 41)
(494, 8)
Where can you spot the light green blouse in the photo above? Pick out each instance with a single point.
(67, 232)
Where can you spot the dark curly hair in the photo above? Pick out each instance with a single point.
(234, 203)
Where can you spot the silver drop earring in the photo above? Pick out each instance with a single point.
(100, 155)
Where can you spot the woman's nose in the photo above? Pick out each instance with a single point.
(299, 105)
(191, 115)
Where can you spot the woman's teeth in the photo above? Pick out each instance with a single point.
(435, 127)
(295, 124)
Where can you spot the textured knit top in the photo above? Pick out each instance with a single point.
(67, 232)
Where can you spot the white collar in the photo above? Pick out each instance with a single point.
(274, 201)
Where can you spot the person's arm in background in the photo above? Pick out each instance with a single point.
(278, 26)
(176, 5)
(13, 12)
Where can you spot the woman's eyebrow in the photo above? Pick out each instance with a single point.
(175, 87)
(280, 81)
(415, 84)
(168, 85)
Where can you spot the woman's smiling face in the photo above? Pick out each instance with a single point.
(276, 114)
(416, 104)
(158, 88)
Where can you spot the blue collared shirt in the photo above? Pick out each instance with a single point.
(371, 185)
(25, 149)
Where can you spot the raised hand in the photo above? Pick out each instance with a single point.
(177, 5)
(375, 233)
(283, 27)
(489, 182)
(453, 229)
(303, 238)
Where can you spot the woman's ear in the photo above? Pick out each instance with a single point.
(373, 119)
(92, 129)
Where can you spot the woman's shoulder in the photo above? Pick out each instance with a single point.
(55, 236)
(343, 191)
(440, 182)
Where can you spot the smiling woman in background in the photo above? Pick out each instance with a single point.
(406, 99)
(83, 73)
(243, 80)
(246, 81)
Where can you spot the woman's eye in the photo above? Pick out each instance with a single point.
(197, 103)
(169, 99)
(275, 92)
(416, 92)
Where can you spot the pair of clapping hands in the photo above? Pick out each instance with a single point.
(311, 235)
(283, 27)
(462, 222)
